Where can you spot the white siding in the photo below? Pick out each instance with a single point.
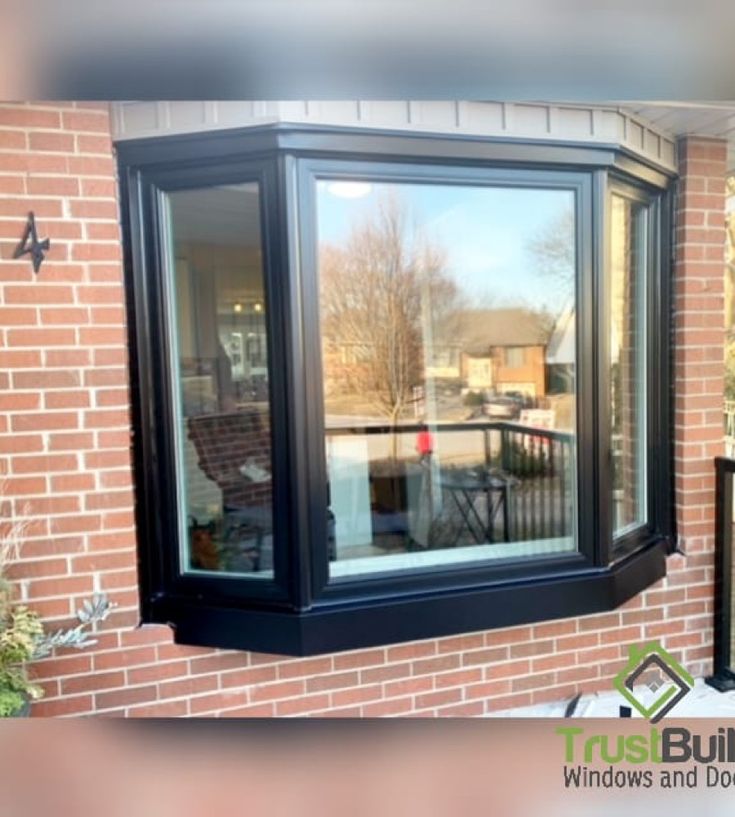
(530, 120)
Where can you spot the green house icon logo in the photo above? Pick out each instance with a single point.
(658, 671)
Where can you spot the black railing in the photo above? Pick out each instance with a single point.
(723, 677)
(537, 463)
(541, 460)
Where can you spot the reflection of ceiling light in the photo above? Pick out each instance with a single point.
(350, 190)
(237, 307)
(257, 306)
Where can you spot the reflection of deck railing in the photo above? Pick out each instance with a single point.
(538, 463)
(541, 459)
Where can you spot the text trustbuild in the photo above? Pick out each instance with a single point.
(673, 744)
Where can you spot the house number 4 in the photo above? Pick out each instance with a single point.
(30, 245)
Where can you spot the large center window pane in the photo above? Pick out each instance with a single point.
(448, 325)
(220, 372)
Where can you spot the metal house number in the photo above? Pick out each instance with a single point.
(30, 245)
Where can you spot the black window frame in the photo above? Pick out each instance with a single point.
(301, 612)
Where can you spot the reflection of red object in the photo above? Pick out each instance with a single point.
(424, 442)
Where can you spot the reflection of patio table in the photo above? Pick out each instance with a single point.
(466, 487)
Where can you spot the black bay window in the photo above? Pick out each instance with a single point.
(391, 386)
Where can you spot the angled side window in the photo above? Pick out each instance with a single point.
(217, 307)
(628, 269)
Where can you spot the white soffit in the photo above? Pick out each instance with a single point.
(715, 119)
(553, 121)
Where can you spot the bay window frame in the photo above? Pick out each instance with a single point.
(302, 612)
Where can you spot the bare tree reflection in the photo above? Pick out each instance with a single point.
(381, 291)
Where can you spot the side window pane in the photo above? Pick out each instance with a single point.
(449, 362)
(628, 363)
(223, 437)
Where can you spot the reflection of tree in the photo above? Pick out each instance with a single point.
(384, 294)
(554, 252)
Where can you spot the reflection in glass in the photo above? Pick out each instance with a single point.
(448, 348)
(221, 376)
(628, 362)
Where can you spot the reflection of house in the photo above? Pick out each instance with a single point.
(561, 354)
(444, 362)
(500, 350)
(477, 371)
(505, 350)
(345, 365)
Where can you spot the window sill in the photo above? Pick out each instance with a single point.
(353, 626)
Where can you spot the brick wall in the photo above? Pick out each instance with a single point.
(699, 338)
(64, 454)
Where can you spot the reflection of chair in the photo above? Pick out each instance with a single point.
(466, 486)
(234, 451)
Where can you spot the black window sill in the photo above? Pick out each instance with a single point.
(354, 626)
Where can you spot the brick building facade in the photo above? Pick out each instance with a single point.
(65, 463)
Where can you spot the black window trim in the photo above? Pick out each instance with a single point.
(301, 613)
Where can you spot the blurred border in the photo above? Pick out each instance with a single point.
(242, 49)
(509, 767)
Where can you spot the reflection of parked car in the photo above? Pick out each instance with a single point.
(522, 400)
(501, 406)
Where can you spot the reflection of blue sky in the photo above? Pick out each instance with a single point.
(486, 232)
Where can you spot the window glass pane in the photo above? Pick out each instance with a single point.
(515, 356)
(628, 363)
(449, 359)
(223, 437)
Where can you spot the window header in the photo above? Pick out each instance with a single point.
(364, 142)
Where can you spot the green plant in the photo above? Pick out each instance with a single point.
(21, 629)
(23, 638)
(473, 399)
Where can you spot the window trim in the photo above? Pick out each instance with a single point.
(303, 614)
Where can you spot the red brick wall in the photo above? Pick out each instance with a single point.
(699, 337)
(64, 453)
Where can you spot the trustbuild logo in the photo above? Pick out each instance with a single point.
(625, 754)
(672, 683)
(653, 682)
